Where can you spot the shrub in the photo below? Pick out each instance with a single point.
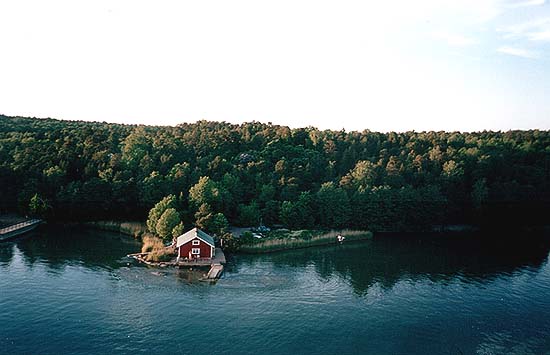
(160, 255)
(247, 237)
(230, 243)
(151, 243)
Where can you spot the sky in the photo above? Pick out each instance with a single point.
(465, 65)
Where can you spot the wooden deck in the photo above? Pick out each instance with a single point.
(15, 230)
(219, 258)
(215, 263)
(215, 272)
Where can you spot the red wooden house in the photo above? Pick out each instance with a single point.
(195, 244)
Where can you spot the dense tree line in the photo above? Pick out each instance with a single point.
(252, 173)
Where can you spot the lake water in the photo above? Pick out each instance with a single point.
(68, 292)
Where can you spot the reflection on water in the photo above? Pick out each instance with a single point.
(57, 247)
(386, 260)
(76, 293)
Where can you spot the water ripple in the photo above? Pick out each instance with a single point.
(377, 299)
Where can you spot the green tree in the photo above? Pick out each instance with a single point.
(92, 171)
(229, 242)
(136, 147)
(480, 193)
(38, 207)
(156, 212)
(270, 213)
(218, 224)
(249, 215)
(452, 170)
(152, 188)
(333, 206)
(178, 230)
(203, 216)
(214, 223)
(205, 191)
(298, 214)
(363, 175)
(166, 224)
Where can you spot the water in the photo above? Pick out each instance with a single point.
(69, 292)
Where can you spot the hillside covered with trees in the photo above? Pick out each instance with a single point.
(256, 173)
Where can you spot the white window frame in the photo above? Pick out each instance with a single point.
(195, 251)
(196, 242)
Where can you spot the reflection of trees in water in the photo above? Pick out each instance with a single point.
(389, 259)
(6, 253)
(58, 247)
(440, 260)
(383, 261)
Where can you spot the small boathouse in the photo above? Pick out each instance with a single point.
(195, 249)
(195, 244)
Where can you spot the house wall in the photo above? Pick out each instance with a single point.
(204, 247)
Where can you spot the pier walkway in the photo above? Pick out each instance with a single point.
(19, 228)
(215, 272)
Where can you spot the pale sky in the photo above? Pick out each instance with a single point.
(464, 65)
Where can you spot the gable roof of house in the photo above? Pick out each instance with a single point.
(192, 234)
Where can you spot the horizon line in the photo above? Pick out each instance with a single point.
(270, 123)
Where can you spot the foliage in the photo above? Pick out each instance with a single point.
(38, 207)
(211, 222)
(480, 193)
(86, 171)
(249, 215)
(230, 243)
(168, 202)
(160, 255)
(151, 243)
(333, 206)
(301, 239)
(167, 223)
(298, 214)
(205, 191)
(178, 230)
(156, 249)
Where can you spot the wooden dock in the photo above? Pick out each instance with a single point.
(219, 258)
(15, 230)
(215, 272)
(215, 263)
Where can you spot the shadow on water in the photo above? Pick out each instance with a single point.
(57, 247)
(387, 259)
(6, 253)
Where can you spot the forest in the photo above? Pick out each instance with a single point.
(254, 174)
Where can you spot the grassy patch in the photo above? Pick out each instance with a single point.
(134, 229)
(160, 255)
(284, 239)
(151, 244)
(156, 249)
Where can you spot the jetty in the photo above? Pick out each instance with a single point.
(18, 229)
(214, 272)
